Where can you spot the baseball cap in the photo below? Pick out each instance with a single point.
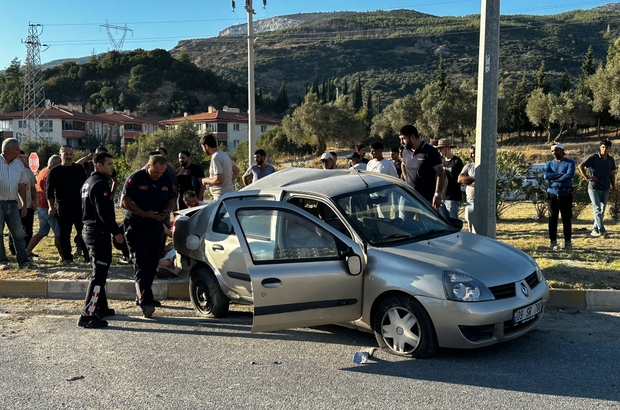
(326, 156)
(557, 145)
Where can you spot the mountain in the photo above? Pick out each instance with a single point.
(395, 52)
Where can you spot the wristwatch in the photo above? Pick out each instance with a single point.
(436, 193)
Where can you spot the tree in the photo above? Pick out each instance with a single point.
(587, 70)
(357, 99)
(440, 75)
(516, 112)
(541, 79)
(401, 112)
(539, 108)
(282, 102)
(565, 82)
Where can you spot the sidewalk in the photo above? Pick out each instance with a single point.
(120, 286)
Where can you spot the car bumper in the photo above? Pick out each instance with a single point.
(467, 325)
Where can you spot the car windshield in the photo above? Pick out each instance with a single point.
(391, 214)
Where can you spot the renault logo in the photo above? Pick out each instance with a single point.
(525, 290)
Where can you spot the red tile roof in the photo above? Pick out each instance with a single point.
(221, 116)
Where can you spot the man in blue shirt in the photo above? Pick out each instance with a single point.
(601, 176)
(559, 173)
(260, 170)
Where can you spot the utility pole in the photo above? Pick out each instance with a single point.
(486, 120)
(118, 45)
(35, 120)
(251, 97)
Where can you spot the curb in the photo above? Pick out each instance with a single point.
(178, 289)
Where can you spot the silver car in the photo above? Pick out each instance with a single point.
(311, 247)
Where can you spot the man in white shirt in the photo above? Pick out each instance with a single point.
(356, 161)
(378, 163)
(222, 171)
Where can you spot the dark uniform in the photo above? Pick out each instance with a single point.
(99, 223)
(420, 165)
(145, 236)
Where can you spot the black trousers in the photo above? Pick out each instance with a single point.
(145, 244)
(99, 245)
(27, 223)
(560, 204)
(70, 215)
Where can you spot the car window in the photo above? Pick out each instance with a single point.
(322, 211)
(389, 214)
(284, 236)
(222, 224)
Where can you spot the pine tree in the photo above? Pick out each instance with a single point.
(565, 82)
(282, 102)
(541, 79)
(357, 102)
(324, 91)
(315, 85)
(518, 117)
(440, 75)
(345, 87)
(587, 69)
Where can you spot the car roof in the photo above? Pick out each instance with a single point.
(327, 182)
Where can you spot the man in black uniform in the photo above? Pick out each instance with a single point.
(148, 198)
(99, 222)
(64, 184)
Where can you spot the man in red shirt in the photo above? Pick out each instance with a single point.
(46, 222)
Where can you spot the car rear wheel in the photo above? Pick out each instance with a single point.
(402, 327)
(206, 295)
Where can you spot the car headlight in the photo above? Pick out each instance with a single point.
(464, 288)
(539, 274)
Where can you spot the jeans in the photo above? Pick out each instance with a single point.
(469, 216)
(599, 200)
(9, 213)
(450, 209)
(560, 205)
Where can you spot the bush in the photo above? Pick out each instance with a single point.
(511, 173)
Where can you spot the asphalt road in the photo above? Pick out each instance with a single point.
(176, 360)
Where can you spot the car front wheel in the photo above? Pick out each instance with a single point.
(206, 295)
(402, 327)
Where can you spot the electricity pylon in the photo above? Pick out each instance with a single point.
(35, 120)
(118, 45)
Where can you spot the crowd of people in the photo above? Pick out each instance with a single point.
(68, 195)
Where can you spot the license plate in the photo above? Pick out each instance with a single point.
(527, 313)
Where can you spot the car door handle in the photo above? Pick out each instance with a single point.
(217, 248)
(271, 283)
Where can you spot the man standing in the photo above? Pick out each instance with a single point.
(13, 180)
(468, 178)
(453, 166)
(559, 173)
(378, 163)
(260, 170)
(602, 176)
(46, 222)
(328, 161)
(64, 185)
(356, 161)
(422, 167)
(89, 166)
(99, 223)
(222, 171)
(31, 203)
(148, 198)
(398, 163)
(189, 177)
(361, 150)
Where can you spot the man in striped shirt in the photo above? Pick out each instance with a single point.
(13, 181)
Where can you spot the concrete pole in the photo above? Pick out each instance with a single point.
(486, 121)
(251, 97)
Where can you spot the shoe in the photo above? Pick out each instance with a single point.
(603, 234)
(148, 310)
(554, 246)
(568, 246)
(595, 233)
(4, 266)
(91, 322)
(28, 265)
(66, 261)
(33, 255)
(104, 312)
(155, 303)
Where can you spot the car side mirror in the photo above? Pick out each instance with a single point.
(354, 264)
(192, 242)
(457, 223)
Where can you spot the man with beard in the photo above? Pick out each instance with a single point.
(260, 170)
(559, 174)
(189, 177)
(422, 167)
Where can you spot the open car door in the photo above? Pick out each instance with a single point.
(303, 272)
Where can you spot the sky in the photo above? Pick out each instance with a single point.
(73, 29)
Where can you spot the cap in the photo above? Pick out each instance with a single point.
(444, 142)
(557, 145)
(354, 155)
(326, 156)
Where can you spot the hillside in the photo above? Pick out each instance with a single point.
(397, 51)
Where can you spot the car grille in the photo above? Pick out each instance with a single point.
(508, 290)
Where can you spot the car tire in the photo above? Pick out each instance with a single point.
(404, 328)
(206, 295)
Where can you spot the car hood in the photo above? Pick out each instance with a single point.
(490, 261)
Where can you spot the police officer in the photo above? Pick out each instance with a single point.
(99, 222)
(148, 198)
